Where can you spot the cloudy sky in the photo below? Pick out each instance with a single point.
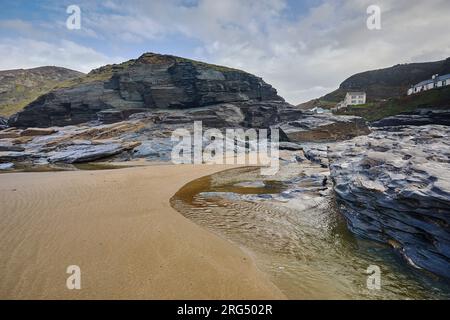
(303, 48)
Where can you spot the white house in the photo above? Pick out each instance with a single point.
(352, 98)
(355, 98)
(436, 81)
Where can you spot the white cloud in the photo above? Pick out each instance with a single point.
(29, 53)
(303, 58)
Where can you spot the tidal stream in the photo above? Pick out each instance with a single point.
(300, 241)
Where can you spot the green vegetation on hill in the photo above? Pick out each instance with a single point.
(436, 98)
(100, 74)
(382, 84)
(209, 65)
(20, 87)
(104, 73)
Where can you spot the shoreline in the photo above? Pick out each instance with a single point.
(119, 227)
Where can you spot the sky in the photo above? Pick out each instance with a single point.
(305, 49)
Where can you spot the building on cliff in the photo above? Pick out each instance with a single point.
(351, 99)
(436, 81)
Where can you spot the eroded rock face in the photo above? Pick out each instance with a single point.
(394, 187)
(144, 135)
(150, 82)
(88, 152)
(324, 127)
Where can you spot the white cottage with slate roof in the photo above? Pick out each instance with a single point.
(435, 82)
(355, 98)
(352, 98)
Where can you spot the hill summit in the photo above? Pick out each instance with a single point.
(21, 86)
(153, 81)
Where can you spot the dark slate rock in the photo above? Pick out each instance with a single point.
(290, 146)
(394, 187)
(3, 123)
(87, 152)
(150, 82)
(14, 156)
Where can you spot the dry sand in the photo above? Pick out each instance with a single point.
(119, 228)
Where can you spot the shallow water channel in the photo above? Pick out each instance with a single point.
(299, 239)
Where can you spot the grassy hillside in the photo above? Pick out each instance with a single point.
(436, 98)
(383, 84)
(20, 87)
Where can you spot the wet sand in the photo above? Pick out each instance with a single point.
(119, 228)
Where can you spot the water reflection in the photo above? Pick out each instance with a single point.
(302, 242)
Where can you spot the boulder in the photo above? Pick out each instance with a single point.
(289, 146)
(14, 156)
(323, 127)
(6, 166)
(394, 187)
(317, 153)
(88, 152)
(4, 147)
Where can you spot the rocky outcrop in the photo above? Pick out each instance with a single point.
(394, 187)
(249, 114)
(419, 117)
(143, 135)
(88, 151)
(6, 166)
(3, 123)
(150, 82)
(323, 127)
(14, 156)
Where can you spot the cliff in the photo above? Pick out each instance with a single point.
(152, 81)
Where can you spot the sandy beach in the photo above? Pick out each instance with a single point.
(119, 228)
